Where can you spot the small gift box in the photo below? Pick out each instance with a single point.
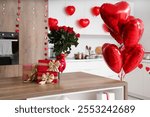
(29, 72)
(105, 96)
(47, 71)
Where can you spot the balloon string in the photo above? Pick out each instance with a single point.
(122, 75)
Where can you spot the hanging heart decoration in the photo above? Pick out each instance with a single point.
(140, 66)
(95, 10)
(84, 22)
(52, 22)
(70, 10)
(147, 69)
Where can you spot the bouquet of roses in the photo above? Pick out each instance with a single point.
(63, 38)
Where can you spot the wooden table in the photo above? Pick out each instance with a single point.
(15, 88)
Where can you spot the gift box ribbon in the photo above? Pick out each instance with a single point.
(47, 78)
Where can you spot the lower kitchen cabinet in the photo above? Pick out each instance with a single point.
(92, 66)
(139, 82)
(86, 95)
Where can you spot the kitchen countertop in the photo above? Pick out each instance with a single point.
(84, 60)
(146, 60)
(14, 88)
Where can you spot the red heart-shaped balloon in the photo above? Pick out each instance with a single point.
(132, 32)
(70, 10)
(112, 57)
(132, 56)
(84, 22)
(116, 36)
(95, 10)
(52, 22)
(105, 28)
(114, 15)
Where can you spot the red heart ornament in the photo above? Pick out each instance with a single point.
(114, 15)
(52, 22)
(84, 22)
(95, 10)
(132, 32)
(132, 56)
(70, 10)
(112, 57)
(140, 66)
(147, 68)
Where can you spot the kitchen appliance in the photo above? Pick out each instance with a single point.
(9, 48)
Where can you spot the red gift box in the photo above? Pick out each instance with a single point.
(47, 68)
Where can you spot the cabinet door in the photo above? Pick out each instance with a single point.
(135, 81)
(146, 78)
(139, 82)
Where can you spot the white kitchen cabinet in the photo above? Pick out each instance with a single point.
(92, 66)
(139, 82)
(84, 95)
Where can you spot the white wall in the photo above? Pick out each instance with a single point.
(92, 41)
(142, 11)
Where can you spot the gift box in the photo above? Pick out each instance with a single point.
(105, 96)
(47, 71)
(29, 72)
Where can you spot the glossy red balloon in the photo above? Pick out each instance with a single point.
(70, 10)
(114, 14)
(112, 57)
(132, 56)
(132, 32)
(116, 36)
(95, 10)
(61, 58)
(105, 28)
(52, 22)
(84, 22)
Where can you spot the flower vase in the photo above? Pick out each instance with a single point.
(62, 59)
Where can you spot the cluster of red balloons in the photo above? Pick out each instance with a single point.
(127, 31)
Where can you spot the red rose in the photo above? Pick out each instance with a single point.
(78, 35)
(70, 30)
(63, 27)
(54, 28)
